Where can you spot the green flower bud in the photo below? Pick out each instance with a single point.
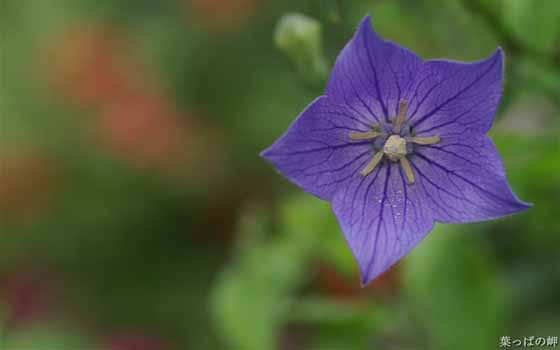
(300, 38)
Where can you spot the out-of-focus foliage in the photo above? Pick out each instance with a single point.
(135, 212)
(47, 338)
(535, 24)
(259, 286)
(456, 291)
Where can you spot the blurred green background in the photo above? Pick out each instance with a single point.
(135, 213)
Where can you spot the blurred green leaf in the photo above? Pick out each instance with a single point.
(536, 24)
(253, 296)
(322, 310)
(540, 74)
(330, 10)
(343, 324)
(333, 249)
(455, 289)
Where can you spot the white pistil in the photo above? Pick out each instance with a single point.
(372, 164)
(367, 135)
(398, 122)
(405, 164)
(429, 140)
(395, 147)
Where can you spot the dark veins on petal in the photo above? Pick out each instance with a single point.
(396, 144)
(460, 92)
(376, 81)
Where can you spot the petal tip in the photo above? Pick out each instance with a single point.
(524, 206)
(501, 57)
(268, 153)
(367, 277)
(366, 19)
(264, 152)
(499, 53)
(367, 274)
(519, 206)
(515, 207)
(365, 23)
(364, 280)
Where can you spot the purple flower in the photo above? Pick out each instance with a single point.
(397, 144)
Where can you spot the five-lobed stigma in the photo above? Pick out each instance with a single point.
(395, 147)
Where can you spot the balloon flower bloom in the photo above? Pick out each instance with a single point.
(397, 144)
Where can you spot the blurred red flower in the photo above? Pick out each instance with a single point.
(28, 295)
(90, 65)
(144, 130)
(148, 132)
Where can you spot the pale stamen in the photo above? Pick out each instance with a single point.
(367, 135)
(372, 164)
(429, 140)
(405, 164)
(398, 122)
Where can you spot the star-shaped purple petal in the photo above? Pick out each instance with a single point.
(397, 144)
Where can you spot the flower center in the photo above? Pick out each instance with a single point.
(395, 145)
(395, 148)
